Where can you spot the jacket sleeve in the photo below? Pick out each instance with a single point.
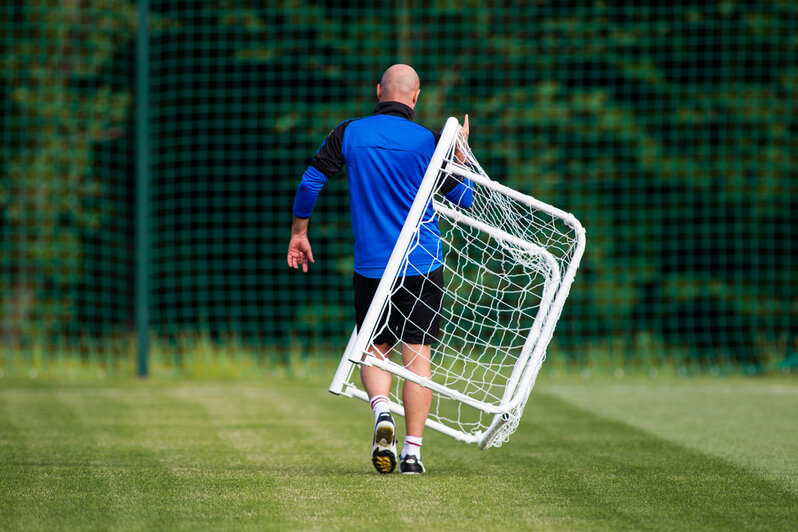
(461, 193)
(327, 162)
(309, 188)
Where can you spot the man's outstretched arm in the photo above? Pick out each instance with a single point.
(299, 252)
(327, 162)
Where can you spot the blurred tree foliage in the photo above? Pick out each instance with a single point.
(61, 102)
(669, 130)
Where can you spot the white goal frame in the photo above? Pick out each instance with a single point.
(552, 299)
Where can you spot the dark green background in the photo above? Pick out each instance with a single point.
(668, 130)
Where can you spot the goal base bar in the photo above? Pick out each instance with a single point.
(480, 439)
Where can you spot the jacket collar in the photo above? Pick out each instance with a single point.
(394, 109)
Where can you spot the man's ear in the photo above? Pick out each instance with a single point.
(415, 96)
(379, 92)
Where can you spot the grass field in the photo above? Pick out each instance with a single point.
(283, 454)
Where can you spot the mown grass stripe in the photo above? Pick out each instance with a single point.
(748, 422)
(63, 476)
(211, 484)
(16, 474)
(641, 481)
(144, 493)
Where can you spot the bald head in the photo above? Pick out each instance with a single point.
(399, 84)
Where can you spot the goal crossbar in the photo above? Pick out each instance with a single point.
(566, 217)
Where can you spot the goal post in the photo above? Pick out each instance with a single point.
(508, 264)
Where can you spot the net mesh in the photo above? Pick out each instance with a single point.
(507, 266)
(668, 129)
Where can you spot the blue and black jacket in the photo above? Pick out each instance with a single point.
(386, 156)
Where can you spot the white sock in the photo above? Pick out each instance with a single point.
(379, 405)
(412, 446)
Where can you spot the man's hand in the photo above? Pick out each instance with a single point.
(299, 251)
(463, 137)
(464, 130)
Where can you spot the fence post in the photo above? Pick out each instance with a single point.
(142, 188)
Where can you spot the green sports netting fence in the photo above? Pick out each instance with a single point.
(669, 129)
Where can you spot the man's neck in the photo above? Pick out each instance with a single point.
(394, 108)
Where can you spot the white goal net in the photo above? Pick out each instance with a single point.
(508, 263)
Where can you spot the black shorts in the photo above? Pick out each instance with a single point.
(415, 308)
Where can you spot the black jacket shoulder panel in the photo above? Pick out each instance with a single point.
(330, 158)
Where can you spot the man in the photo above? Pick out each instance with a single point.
(386, 155)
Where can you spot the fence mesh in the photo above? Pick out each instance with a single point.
(668, 130)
